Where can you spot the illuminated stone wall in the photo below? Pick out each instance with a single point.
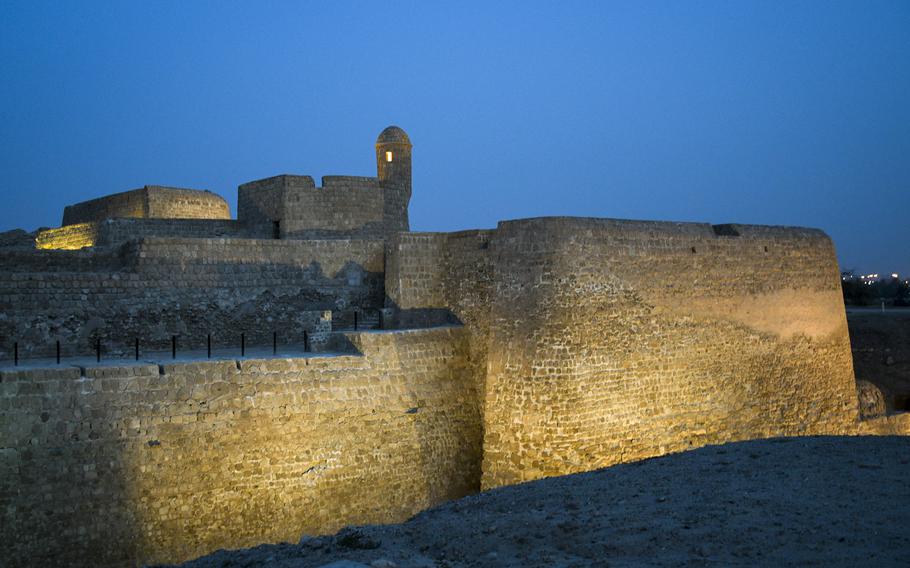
(124, 204)
(598, 341)
(136, 465)
(612, 341)
(415, 271)
(68, 237)
(178, 203)
(160, 287)
(452, 271)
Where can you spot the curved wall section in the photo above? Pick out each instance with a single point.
(612, 341)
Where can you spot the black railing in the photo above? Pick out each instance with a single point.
(123, 344)
(59, 350)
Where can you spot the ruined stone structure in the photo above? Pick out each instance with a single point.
(542, 347)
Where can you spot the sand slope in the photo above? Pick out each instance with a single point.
(824, 501)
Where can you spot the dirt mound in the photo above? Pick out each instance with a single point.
(832, 501)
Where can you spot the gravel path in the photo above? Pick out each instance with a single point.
(824, 501)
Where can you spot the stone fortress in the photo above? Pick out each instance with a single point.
(481, 358)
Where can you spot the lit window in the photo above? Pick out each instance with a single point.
(388, 156)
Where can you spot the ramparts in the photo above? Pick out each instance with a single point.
(144, 464)
(155, 288)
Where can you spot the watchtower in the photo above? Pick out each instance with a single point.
(393, 167)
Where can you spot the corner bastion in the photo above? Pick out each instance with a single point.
(599, 341)
(482, 358)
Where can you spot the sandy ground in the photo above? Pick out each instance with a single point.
(827, 501)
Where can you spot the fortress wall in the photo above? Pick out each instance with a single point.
(261, 202)
(612, 341)
(437, 277)
(414, 275)
(344, 205)
(350, 182)
(132, 465)
(161, 287)
(468, 284)
(177, 203)
(18, 264)
(17, 238)
(69, 237)
(327, 256)
(125, 204)
(116, 231)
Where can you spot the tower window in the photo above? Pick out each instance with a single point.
(388, 156)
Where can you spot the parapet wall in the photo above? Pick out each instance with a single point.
(344, 205)
(125, 204)
(177, 203)
(116, 231)
(140, 465)
(292, 207)
(151, 201)
(159, 287)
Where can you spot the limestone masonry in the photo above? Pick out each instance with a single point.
(411, 368)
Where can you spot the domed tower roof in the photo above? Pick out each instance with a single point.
(393, 135)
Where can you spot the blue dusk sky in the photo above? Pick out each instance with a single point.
(783, 113)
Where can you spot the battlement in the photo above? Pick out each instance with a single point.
(293, 207)
(297, 181)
